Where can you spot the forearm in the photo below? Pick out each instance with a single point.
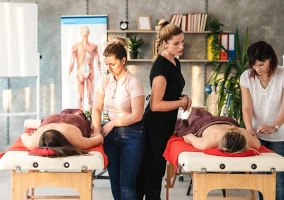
(247, 117)
(26, 140)
(196, 142)
(279, 121)
(96, 121)
(87, 143)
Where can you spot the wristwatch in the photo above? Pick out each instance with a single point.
(275, 126)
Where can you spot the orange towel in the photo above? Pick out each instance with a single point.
(19, 146)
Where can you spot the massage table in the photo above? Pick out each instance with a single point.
(29, 172)
(210, 172)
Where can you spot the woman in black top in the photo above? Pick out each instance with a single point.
(160, 114)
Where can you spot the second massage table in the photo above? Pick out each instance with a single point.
(210, 172)
(29, 172)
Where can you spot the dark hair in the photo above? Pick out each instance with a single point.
(57, 142)
(74, 111)
(165, 32)
(233, 142)
(116, 48)
(261, 51)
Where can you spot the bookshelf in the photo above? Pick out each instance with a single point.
(125, 33)
(136, 31)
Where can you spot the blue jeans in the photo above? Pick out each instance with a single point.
(277, 147)
(124, 149)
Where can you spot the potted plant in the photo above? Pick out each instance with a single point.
(133, 46)
(214, 37)
(228, 74)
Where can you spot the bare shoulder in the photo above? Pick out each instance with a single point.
(244, 131)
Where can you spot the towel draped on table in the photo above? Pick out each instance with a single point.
(198, 121)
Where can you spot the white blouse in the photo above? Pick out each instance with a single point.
(266, 102)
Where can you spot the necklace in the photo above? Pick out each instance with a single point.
(263, 82)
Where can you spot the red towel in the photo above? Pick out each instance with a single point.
(19, 146)
(177, 145)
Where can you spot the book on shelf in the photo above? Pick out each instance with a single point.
(224, 39)
(201, 22)
(232, 46)
(172, 18)
(192, 22)
(189, 21)
(209, 48)
(183, 23)
(179, 20)
(198, 21)
(204, 22)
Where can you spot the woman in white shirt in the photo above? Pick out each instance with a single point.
(262, 101)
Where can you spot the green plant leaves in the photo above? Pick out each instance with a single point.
(229, 75)
(134, 43)
(215, 32)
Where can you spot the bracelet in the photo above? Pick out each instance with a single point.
(275, 126)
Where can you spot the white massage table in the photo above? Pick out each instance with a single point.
(29, 172)
(233, 173)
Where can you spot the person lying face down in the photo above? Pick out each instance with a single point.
(67, 134)
(203, 130)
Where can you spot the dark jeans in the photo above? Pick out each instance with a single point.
(277, 147)
(124, 148)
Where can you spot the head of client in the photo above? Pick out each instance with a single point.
(57, 142)
(233, 141)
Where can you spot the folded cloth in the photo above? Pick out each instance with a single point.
(177, 145)
(19, 146)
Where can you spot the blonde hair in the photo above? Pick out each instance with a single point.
(116, 48)
(120, 40)
(233, 141)
(165, 32)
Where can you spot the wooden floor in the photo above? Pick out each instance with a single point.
(102, 191)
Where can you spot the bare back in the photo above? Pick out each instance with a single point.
(72, 133)
(215, 133)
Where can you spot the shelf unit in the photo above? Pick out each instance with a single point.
(181, 60)
(153, 32)
(137, 31)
